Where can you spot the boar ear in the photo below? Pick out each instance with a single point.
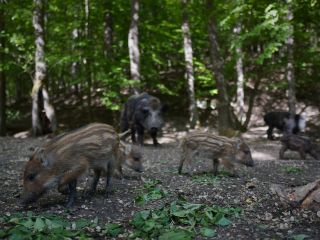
(42, 157)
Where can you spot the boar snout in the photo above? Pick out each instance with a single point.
(28, 198)
(153, 130)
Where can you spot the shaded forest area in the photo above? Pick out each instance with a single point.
(91, 55)
(218, 66)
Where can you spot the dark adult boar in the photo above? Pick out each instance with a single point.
(300, 144)
(280, 120)
(65, 158)
(142, 112)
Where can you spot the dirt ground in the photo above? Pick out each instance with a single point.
(264, 215)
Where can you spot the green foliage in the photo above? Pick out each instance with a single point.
(299, 237)
(209, 178)
(151, 191)
(113, 229)
(31, 226)
(13, 115)
(181, 219)
(292, 169)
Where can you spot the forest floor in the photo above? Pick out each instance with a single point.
(263, 215)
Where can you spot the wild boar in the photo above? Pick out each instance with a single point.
(62, 160)
(301, 144)
(142, 112)
(280, 120)
(217, 148)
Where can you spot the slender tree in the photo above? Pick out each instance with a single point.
(224, 116)
(40, 66)
(188, 56)
(87, 60)
(108, 29)
(290, 62)
(2, 75)
(240, 79)
(133, 44)
(41, 112)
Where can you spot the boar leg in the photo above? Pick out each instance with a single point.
(140, 132)
(302, 154)
(215, 162)
(94, 183)
(282, 150)
(133, 135)
(72, 193)
(182, 160)
(110, 169)
(269, 133)
(154, 138)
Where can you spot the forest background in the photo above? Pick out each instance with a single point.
(212, 62)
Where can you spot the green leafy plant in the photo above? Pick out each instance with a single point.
(291, 169)
(13, 115)
(151, 191)
(209, 178)
(181, 219)
(299, 237)
(113, 229)
(43, 227)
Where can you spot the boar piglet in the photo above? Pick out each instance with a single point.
(301, 144)
(142, 112)
(226, 151)
(281, 121)
(61, 161)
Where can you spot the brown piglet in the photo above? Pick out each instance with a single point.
(62, 160)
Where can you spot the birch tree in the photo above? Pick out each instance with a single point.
(87, 60)
(188, 56)
(224, 116)
(108, 29)
(133, 44)
(240, 79)
(42, 110)
(290, 69)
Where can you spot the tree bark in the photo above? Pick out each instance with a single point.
(38, 109)
(2, 77)
(240, 80)
(224, 116)
(87, 60)
(133, 44)
(188, 55)
(108, 29)
(290, 69)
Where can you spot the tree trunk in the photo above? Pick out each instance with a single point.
(133, 44)
(224, 116)
(290, 68)
(108, 30)
(240, 80)
(87, 60)
(2, 77)
(38, 110)
(188, 55)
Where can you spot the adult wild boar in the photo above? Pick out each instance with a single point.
(281, 121)
(62, 160)
(142, 112)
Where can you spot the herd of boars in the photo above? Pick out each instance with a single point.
(97, 147)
